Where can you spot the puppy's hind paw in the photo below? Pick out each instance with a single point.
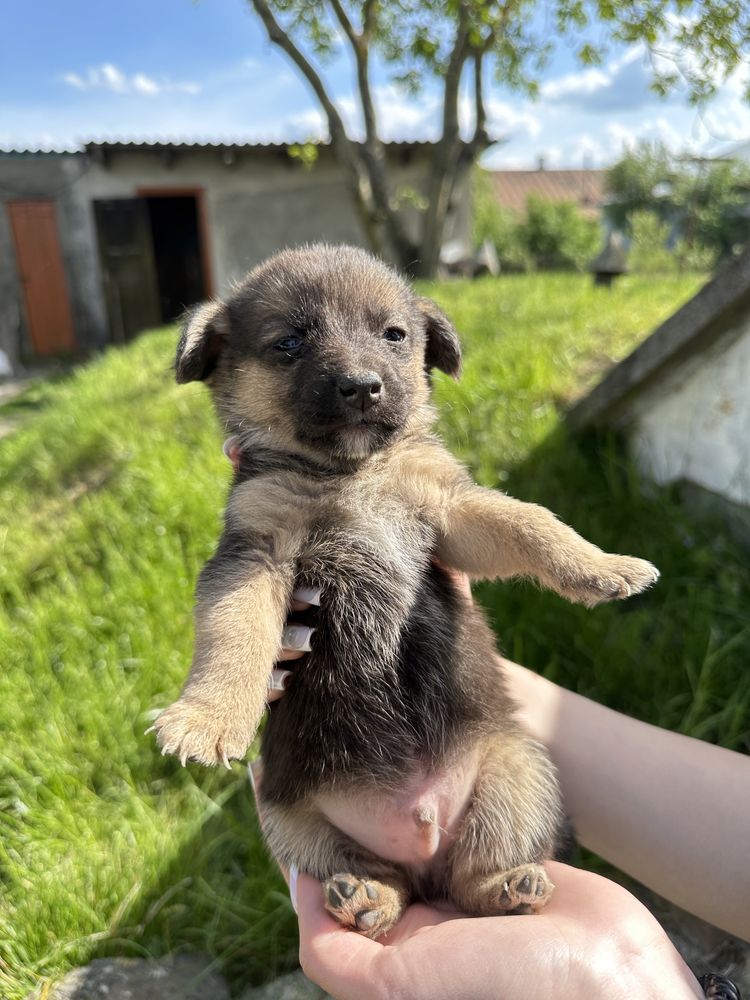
(365, 905)
(525, 889)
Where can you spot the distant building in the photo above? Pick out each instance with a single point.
(99, 244)
(682, 399)
(583, 187)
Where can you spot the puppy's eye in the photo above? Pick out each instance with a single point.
(394, 335)
(288, 344)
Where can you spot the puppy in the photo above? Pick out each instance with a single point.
(394, 768)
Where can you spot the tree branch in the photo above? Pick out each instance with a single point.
(344, 146)
(346, 24)
(445, 160)
(373, 152)
(369, 13)
(480, 136)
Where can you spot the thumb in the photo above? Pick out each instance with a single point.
(341, 961)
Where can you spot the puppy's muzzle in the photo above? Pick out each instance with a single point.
(360, 391)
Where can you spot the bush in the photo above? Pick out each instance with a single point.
(554, 235)
(490, 221)
(695, 256)
(558, 235)
(649, 252)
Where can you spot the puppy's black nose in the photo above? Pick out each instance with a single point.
(360, 391)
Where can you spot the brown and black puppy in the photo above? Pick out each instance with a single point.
(393, 766)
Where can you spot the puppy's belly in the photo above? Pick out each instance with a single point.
(414, 826)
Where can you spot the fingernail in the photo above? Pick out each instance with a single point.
(310, 595)
(297, 637)
(293, 873)
(229, 445)
(279, 680)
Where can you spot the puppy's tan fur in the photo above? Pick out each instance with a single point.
(401, 685)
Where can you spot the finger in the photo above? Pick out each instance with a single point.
(460, 580)
(291, 654)
(309, 595)
(277, 684)
(230, 446)
(297, 637)
(337, 959)
(231, 449)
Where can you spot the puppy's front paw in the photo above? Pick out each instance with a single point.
(611, 578)
(196, 730)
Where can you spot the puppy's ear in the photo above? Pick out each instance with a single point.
(443, 347)
(204, 336)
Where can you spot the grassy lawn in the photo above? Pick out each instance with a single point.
(112, 489)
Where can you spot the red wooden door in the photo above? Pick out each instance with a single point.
(40, 269)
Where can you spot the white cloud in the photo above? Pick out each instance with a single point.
(503, 118)
(109, 77)
(400, 117)
(588, 81)
(144, 84)
(74, 80)
(622, 84)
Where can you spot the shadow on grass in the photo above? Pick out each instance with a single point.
(221, 895)
(675, 656)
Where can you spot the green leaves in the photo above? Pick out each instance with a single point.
(703, 205)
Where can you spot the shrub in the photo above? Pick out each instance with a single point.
(649, 252)
(490, 221)
(558, 235)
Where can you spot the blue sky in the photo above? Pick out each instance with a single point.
(203, 70)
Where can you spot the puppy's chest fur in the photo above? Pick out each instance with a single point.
(387, 689)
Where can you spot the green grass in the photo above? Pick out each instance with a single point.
(112, 492)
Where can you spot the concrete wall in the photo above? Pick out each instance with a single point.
(258, 203)
(26, 176)
(694, 424)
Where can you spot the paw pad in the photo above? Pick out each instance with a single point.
(362, 904)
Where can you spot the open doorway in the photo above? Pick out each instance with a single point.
(179, 254)
(154, 257)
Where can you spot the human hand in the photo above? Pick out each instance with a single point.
(295, 639)
(593, 940)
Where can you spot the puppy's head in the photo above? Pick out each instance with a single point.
(322, 351)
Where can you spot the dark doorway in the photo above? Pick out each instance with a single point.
(175, 233)
(128, 269)
(154, 256)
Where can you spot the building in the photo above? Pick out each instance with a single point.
(585, 188)
(99, 244)
(682, 398)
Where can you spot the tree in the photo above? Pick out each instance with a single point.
(449, 39)
(642, 181)
(703, 207)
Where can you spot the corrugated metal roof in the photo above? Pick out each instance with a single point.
(584, 187)
(163, 144)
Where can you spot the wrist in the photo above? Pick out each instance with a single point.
(537, 698)
(639, 961)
